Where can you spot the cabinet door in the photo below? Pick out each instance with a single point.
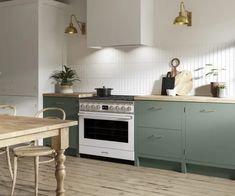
(210, 134)
(160, 143)
(18, 49)
(71, 108)
(158, 114)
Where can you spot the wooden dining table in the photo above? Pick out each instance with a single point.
(17, 129)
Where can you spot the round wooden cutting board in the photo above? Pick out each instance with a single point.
(183, 82)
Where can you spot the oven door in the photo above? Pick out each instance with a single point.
(106, 130)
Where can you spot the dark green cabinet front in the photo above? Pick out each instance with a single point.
(161, 143)
(210, 134)
(158, 130)
(158, 114)
(71, 107)
(188, 133)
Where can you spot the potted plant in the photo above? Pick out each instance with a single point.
(214, 72)
(222, 90)
(65, 78)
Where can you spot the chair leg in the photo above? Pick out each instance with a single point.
(14, 176)
(9, 161)
(36, 169)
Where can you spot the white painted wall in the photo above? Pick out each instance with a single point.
(130, 70)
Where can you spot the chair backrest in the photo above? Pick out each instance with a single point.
(8, 110)
(53, 113)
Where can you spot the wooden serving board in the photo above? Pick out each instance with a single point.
(183, 82)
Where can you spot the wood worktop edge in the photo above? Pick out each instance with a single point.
(197, 99)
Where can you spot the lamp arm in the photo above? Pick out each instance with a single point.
(81, 25)
(182, 9)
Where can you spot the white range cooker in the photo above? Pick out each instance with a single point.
(106, 126)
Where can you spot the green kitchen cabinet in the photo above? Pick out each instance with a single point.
(159, 114)
(71, 107)
(186, 133)
(158, 130)
(210, 134)
(159, 143)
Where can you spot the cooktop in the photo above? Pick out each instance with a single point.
(112, 97)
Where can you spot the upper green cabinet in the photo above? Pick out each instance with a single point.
(210, 134)
(71, 107)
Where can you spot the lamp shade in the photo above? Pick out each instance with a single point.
(185, 17)
(71, 29)
(181, 20)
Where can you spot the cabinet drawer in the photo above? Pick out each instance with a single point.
(159, 143)
(157, 114)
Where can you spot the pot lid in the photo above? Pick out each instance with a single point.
(103, 88)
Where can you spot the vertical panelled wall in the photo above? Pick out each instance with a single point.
(138, 70)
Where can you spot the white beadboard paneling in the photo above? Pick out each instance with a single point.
(139, 70)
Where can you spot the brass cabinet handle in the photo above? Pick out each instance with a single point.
(155, 137)
(207, 111)
(155, 109)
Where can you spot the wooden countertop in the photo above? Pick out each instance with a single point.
(198, 99)
(75, 94)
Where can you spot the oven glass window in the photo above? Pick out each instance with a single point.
(108, 130)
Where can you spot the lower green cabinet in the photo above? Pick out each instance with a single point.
(71, 107)
(161, 143)
(158, 130)
(203, 135)
(210, 134)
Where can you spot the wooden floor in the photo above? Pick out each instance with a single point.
(90, 177)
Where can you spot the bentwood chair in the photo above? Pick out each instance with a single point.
(35, 150)
(7, 110)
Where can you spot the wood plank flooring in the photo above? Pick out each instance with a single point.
(86, 177)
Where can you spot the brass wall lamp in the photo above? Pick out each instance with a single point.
(72, 30)
(185, 17)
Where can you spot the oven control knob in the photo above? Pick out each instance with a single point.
(128, 109)
(123, 109)
(93, 107)
(82, 106)
(88, 107)
(111, 108)
(98, 107)
(117, 108)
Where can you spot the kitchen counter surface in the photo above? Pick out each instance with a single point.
(199, 99)
(75, 94)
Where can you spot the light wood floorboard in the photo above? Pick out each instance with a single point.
(86, 177)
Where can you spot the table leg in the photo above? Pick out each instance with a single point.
(60, 143)
(60, 172)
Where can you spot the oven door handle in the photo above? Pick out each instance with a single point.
(106, 116)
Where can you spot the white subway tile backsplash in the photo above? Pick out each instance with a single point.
(132, 70)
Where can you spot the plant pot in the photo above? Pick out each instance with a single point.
(221, 92)
(66, 89)
(57, 88)
(214, 89)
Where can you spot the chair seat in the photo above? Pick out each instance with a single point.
(31, 151)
